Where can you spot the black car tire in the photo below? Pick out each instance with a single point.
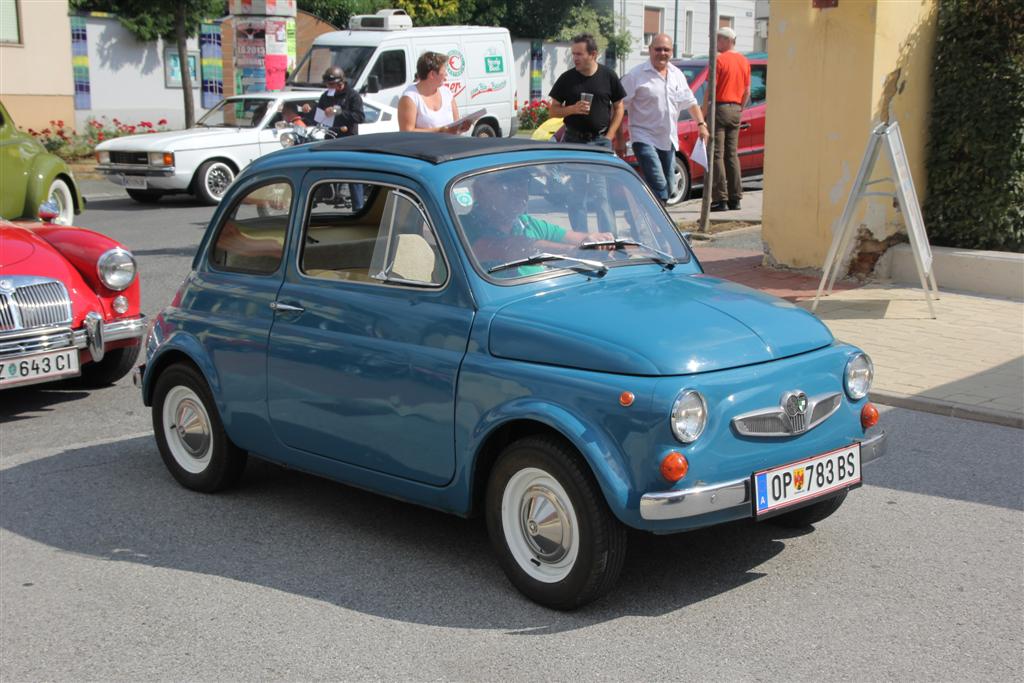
(195, 447)
(812, 514)
(212, 181)
(115, 364)
(485, 130)
(145, 196)
(576, 555)
(682, 189)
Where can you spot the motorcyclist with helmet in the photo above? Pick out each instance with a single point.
(339, 107)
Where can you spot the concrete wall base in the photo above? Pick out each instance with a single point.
(994, 273)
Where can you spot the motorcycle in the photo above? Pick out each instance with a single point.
(337, 195)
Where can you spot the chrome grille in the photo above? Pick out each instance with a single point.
(28, 302)
(776, 423)
(6, 315)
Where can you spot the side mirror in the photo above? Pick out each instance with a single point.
(372, 84)
(48, 210)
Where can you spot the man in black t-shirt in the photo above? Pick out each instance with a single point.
(593, 122)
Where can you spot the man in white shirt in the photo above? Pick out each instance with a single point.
(656, 91)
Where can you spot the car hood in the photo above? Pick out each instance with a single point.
(663, 324)
(26, 253)
(176, 140)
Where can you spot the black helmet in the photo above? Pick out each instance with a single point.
(334, 73)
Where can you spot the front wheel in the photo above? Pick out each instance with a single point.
(60, 194)
(812, 514)
(115, 365)
(681, 191)
(550, 526)
(213, 180)
(189, 433)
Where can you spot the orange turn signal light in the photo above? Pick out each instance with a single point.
(674, 466)
(626, 399)
(868, 415)
(168, 158)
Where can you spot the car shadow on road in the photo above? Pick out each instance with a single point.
(178, 201)
(20, 403)
(318, 539)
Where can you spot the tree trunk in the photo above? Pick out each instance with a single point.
(186, 76)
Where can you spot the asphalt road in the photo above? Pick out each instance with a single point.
(110, 570)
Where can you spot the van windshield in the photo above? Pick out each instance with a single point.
(351, 58)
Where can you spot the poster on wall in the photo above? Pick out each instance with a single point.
(279, 8)
(172, 68)
(250, 52)
(276, 60)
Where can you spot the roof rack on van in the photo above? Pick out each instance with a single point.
(438, 148)
(384, 20)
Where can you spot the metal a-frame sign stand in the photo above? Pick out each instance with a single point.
(887, 136)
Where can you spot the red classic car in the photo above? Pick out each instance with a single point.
(69, 304)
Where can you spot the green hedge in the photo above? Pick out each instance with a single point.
(976, 135)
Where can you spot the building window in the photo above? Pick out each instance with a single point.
(10, 22)
(652, 24)
(688, 38)
(726, 22)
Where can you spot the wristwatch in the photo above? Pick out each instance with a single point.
(702, 123)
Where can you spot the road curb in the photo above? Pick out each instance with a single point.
(948, 409)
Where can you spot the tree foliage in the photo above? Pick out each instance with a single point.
(976, 134)
(152, 19)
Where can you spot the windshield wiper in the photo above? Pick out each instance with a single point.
(661, 257)
(580, 263)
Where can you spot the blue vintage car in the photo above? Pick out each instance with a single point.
(505, 328)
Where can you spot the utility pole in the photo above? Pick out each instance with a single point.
(675, 32)
(705, 204)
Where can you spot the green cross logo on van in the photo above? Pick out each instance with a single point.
(494, 65)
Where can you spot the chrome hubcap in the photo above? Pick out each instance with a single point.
(548, 531)
(192, 428)
(218, 179)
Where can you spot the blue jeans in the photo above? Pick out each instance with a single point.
(591, 192)
(657, 167)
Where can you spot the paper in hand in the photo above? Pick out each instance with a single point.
(468, 118)
(700, 154)
(320, 116)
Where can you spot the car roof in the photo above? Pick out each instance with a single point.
(437, 148)
(372, 38)
(703, 60)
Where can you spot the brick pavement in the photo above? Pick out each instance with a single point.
(968, 362)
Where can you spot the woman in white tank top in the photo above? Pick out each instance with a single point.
(427, 106)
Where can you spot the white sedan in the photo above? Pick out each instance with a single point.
(204, 160)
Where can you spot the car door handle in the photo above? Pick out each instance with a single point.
(285, 308)
(744, 126)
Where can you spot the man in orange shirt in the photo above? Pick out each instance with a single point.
(732, 92)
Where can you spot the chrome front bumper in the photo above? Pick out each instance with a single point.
(701, 500)
(94, 335)
(135, 169)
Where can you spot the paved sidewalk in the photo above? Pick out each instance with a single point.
(968, 362)
(750, 211)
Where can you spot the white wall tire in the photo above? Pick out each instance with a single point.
(189, 432)
(550, 526)
(213, 179)
(60, 194)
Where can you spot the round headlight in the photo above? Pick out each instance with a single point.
(288, 139)
(689, 416)
(116, 268)
(859, 373)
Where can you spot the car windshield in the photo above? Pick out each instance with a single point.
(236, 112)
(351, 58)
(533, 220)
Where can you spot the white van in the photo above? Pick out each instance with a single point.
(379, 53)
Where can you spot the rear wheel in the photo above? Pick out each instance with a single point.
(681, 191)
(812, 514)
(115, 365)
(550, 526)
(189, 433)
(145, 196)
(213, 180)
(485, 130)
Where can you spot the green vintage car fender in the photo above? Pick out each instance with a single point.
(44, 170)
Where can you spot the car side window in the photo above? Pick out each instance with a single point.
(370, 114)
(684, 115)
(370, 233)
(758, 85)
(390, 69)
(251, 238)
(298, 106)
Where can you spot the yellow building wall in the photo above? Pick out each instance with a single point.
(36, 79)
(827, 80)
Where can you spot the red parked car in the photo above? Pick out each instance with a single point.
(751, 145)
(69, 304)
